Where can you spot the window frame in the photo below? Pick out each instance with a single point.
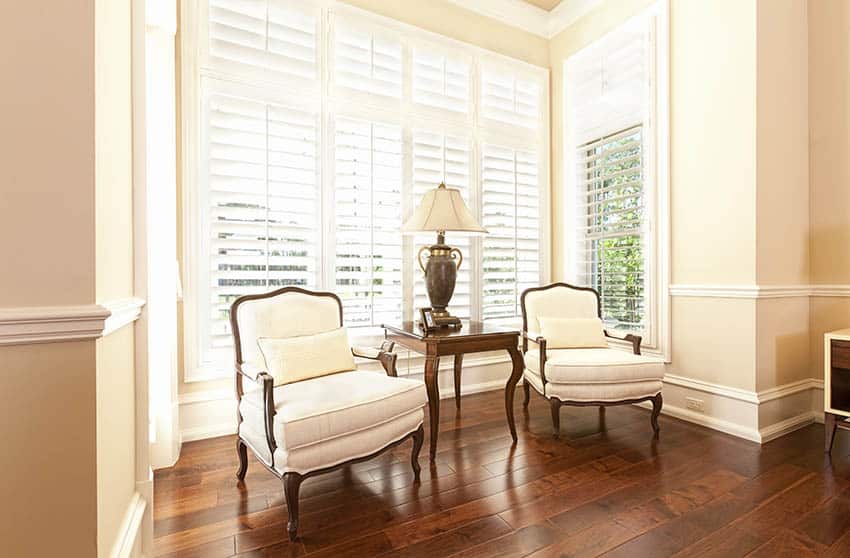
(330, 104)
(656, 149)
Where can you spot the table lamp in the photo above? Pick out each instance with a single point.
(441, 209)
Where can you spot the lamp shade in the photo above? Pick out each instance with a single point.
(442, 209)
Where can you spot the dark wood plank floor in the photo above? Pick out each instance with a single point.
(604, 488)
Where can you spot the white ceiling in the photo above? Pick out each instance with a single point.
(545, 18)
(547, 5)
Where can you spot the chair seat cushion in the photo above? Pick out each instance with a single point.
(320, 409)
(590, 366)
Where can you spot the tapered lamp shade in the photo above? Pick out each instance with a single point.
(442, 209)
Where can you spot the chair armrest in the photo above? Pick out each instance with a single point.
(266, 381)
(635, 340)
(541, 342)
(384, 355)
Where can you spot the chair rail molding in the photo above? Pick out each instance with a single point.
(56, 324)
(759, 291)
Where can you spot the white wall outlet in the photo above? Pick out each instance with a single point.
(695, 404)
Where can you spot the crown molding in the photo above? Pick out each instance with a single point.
(515, 13)
(568, 12)
(759, 291)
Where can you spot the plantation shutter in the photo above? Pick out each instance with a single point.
(442, 158)
(367, 191)
(272, 39)
(440, 81)
(367, 62)
(263, 208)
(506, 99)
(610, 257)
(511, 213)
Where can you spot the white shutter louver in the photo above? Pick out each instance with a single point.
(273, 39)
(442, 158)
(440, 81)
(510, 211)
(367, 62)
(610, 256)
(263, 202)
(508, 100)
(368, 160)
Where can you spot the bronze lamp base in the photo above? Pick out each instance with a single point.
(440, 277)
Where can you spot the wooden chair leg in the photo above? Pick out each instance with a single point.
(418, 438)
(830, 424)
(555, 406)
(657, 402)
(291, 486)
(526, 390)
(242, 452)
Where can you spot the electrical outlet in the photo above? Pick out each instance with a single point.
(695, 404)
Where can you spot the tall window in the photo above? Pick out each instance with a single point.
(312, 131)
(617, 185)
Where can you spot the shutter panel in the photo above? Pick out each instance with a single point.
(442, 158)
(440, 81)
(511, 213)
(367, 62)
(509, 100)
(263, 202)
(610, 256)
(276, 40)
(368, 159)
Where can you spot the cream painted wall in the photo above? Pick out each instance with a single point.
(438, 16)
(116, 478)
(829, 166)
(782, 128)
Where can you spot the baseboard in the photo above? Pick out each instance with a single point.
(128, 543)
(781, 428)
(708, 421)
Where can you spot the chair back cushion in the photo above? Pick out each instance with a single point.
(288, 314)
(558, 300)
(572, 333)
(292, 359)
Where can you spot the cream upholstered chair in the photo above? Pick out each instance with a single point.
(595, 375)
(313, 426)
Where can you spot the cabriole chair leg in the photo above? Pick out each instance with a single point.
(555, 406)
(242, 452)
(418, 438)
(526, 393)
(291, 486)
(657, 402)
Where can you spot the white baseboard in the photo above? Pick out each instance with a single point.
(702, 419)
(128, 543)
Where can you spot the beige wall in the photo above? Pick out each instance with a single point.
(114, 257)
(47, 173)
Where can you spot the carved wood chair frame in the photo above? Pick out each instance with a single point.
(554, 402)
(291, 480)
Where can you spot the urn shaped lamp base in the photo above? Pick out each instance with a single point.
(440, 276)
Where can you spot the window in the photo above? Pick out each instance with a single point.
(616, 142)
(313, 129)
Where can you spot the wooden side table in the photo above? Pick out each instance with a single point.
(473, 337)
(836, 383)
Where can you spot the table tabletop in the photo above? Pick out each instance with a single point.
(468, 329)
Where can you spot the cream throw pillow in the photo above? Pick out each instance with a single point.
(572, 333)
(292, 359)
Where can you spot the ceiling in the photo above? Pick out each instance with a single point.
(544, 4)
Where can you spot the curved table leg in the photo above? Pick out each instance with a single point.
(458, 365)
(510, 388)
(432, 364)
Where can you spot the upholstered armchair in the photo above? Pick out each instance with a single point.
(570, 362)
(303, 408)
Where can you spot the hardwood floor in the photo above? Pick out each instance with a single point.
(603, 488)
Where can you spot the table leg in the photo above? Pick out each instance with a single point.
(458, 365)
(510, 388)
(432, 364)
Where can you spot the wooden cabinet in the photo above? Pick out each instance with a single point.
(836, 383)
